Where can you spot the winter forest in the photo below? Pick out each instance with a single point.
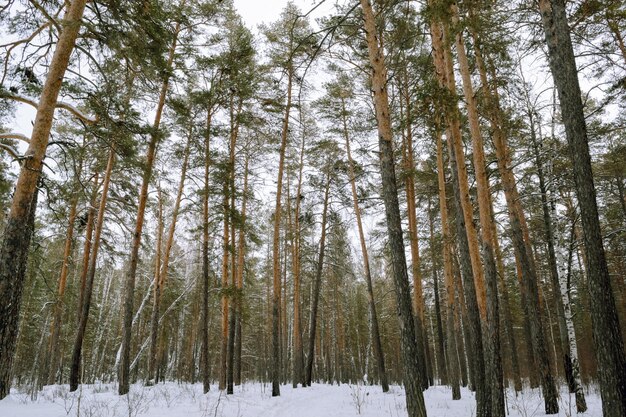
(356, 207)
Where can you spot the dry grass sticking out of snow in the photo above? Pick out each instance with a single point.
(255, 400)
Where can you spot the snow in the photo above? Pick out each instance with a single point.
(254, 399)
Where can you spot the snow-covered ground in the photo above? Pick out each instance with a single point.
(254, 399)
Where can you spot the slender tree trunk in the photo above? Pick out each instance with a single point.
(467, 239)
(206, 381)
(52, 361)
(608, 341)
(284, 348)
(452, 360)
(276, 243)
(508, 317)
(82, 325)
(298, 364)
(317, 283)
(412, 373)
(558, 272)
(416, 271)
(457, 144)
(156, 299)
(581, 403)
(442, 369)
(494, 358)
(521, 244)
(224, 299)
(239, 282)
(91, 219)
(230, 348)
(164, 265)
(378, 349)
(477, 361)
(16, 239)
(129, 291)
(460, 333)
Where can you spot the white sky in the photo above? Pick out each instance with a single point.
(255, 12)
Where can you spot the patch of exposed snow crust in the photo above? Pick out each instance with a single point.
(254, 399)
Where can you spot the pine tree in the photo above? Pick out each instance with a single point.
(412, 373)
(607, 338)
(15, 242)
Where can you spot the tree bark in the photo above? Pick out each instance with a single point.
(378, 349)
(156, 290)
(607, 338)
(82, 325)
(477, 361)
(298, 364)
(411, 371)
(239, 281)
(165, 262)
(230, 348)
(276, 242)
(416, 271)
(558, 273)
(452, 360)
(467, 239)
(129, 290)
(442, 369)
(317, 283)
(224, 297)
(52, 361)
(16, 239)
(206, 369)
(521, 244)
(494, 358)
(509, 333)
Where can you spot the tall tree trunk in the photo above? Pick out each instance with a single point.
(317, 283)
(156, 299)
(298, 364)
(520, 241)
(164, 265)
(224, 298)
(16, 239)
(442, 369)
(378, 348)
(477, 360)
(494, 358)
(239, 282)
(206, 381)
(129, 290)
(412, 374)
(82, 325)
(581, 403)
(284, 348)
(506, 304)
(452, 360)
(467, 239)
(276, 242)
(558, 273)
(230, 348)
(462, 321)
(52, 360)
(608, 341)
(91, 219)
(416, 271)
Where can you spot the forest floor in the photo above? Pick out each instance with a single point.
(254, 400)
